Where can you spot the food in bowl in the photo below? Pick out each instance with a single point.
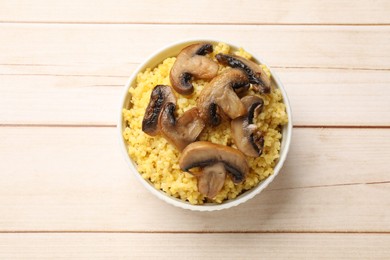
(205, 126)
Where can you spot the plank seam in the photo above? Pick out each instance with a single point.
(333, 185)
(113, 125)
(63, 75)
(138, 63)
(59, 125)
(345, 126)
(126, 76)
(187, 232)
(190, 23)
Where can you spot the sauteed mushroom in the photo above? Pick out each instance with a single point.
(161, 94)
(205, 154)
(219, 97)
(255, 73)
(191, 62)
(245, 133)
(182, 131)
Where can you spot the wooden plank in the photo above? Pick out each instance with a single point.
(194, 246)
(75, 179)
(64, 100)
(286, 46)
(202, 11)
(58, 95)
(338, 97)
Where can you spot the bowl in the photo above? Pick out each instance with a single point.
(152, 61)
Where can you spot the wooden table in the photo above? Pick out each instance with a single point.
(66, 192)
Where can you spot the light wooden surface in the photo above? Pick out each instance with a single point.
(66, 192)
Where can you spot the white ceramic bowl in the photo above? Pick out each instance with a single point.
(151, 62)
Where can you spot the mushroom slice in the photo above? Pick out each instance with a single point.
(245, 133)
(191, 62)
(255, 73)
(220, 96)
(161, 94)
(182, 131)
(203, 154)
(211, 181)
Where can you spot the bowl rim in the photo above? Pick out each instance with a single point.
(247, 195)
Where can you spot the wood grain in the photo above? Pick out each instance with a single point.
(198, 12)
(194, 246)
(364, 47)
(56, 96)
(75, 179)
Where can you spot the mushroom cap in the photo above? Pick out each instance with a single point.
(245, 134)
(161, 94)
(191, 62)
(203, 154)
(219, 96)
(182, 131)
(255, 73)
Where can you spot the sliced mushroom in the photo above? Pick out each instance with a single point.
(191, 62)
(182, 131)
(211, 181)
(220, 96)
(204, 154)
(255, 73)
(161, 94)
(245, 133)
